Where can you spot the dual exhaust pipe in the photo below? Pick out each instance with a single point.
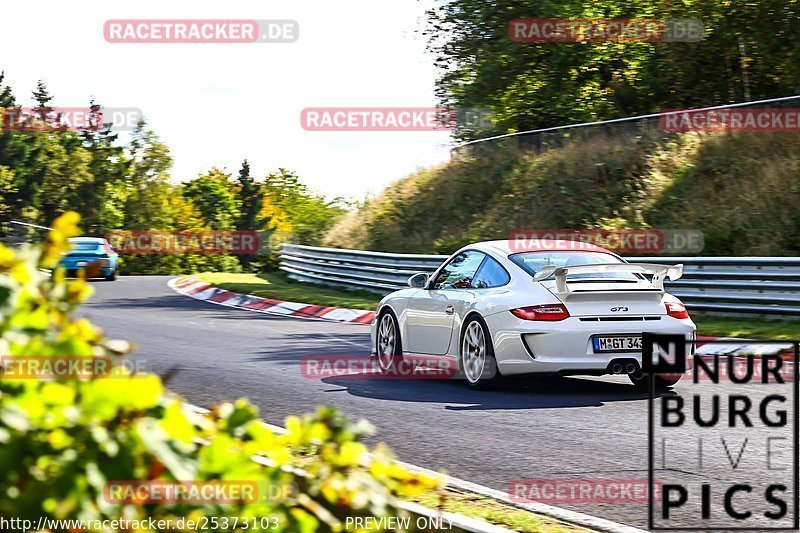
(623, 367)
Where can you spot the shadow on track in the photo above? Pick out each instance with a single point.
(454, 395)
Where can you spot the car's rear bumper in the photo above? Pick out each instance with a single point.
(91, 269)
(565, 347)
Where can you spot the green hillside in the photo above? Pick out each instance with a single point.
(741, 189)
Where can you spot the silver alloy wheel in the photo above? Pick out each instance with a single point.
(386, 342)
(473, 352)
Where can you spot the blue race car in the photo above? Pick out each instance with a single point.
(93, 255)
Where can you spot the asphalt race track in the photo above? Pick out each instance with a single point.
(547, 428)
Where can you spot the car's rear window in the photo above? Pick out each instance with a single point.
(532, 262)
(84, 246)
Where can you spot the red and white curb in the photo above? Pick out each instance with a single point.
(199, 290)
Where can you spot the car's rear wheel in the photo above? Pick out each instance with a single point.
(478, 364)
(642, 381)
(388, 349)
(112, 276)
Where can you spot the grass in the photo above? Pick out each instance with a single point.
(278, 286)
(689, 181)
(493, 511)
(451, 500)
(752, 328)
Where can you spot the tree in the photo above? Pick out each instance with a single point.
(12, 152)
(250, 198)
(537, 85)
(63, 170)
(308, 215)
(43, 98)
(212, 193)
(103, 195)
(6, 94)
(7, 190)
(48, 170)
(146, 181)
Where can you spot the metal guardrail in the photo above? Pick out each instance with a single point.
(18, 233)
(375, 271)
(752, 285)
(543, 139)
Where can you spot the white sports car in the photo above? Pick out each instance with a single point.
(492, 311)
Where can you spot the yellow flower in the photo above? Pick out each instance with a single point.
(7, 259)
(64, 227)
(20, 273)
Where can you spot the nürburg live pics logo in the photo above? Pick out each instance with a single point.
(723, 444)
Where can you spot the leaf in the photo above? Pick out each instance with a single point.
(156, 440)
(176, 424)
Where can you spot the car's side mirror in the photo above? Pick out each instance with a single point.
(419, 281)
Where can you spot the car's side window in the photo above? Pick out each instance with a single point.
(490, 274)
(459, 272)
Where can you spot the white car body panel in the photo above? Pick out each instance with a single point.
(527, 346)
(426, 314)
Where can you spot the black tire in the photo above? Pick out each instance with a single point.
(487, 376)
(642, 382)
(388, 357)
(112, 276)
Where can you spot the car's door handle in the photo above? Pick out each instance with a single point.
(450, 309)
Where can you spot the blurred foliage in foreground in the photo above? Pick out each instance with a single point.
(62, 440)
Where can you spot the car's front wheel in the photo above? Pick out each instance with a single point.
(389, 350)
(112, 276)
(478, 364)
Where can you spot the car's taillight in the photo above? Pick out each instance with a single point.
(677, 310)
(549, 312)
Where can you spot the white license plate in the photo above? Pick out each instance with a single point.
(81, 263)
(617, 344)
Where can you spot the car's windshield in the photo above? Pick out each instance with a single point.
(532, 262)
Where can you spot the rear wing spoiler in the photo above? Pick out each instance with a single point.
(659, 272)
